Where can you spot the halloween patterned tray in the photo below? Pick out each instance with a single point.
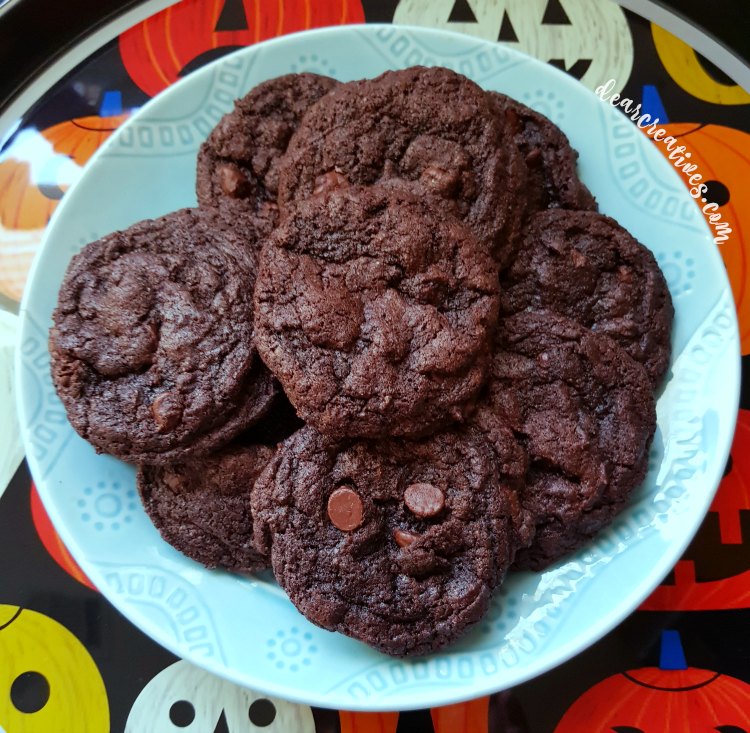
(685, 650)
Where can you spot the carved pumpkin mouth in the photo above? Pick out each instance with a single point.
(91, 127)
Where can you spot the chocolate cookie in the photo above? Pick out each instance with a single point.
(585, 266)
(585, 413)
(395, 543)
(375, 312)
(425, 125)
(237, 171)
(203, 508)
(550, 159)
(151, 347)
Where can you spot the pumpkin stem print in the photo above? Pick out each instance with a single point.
(670, 698)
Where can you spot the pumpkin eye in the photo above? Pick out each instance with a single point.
(182, 714)
(204, 58)
(626, 729)
(730, 729)
(717, 193)
(262, 713)
(29, 692)
(50, 191)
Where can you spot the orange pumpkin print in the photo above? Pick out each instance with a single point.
(29, 194)
(25, 209)
(162, 48)
(80, 138)
(714, 573)
(670, 698)
(722, 155)
(473, 716)
(52, 542)
(22, 203)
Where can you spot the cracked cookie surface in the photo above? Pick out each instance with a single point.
(375, 312)
(548, 155)
(237, 170)
(584, 411)
(585, 266)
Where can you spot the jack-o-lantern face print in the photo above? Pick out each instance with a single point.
(177, 40)
(714, 573)
(722, 158)
(589, 39)
(185, 699)
(662, 699)
(48, 681)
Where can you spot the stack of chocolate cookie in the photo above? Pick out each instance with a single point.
(394, 353)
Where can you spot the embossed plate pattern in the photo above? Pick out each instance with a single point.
(246, 629)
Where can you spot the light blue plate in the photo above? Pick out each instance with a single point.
(247, 630)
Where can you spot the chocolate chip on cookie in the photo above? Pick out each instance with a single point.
(425, 126)
(396, 543)
(237, 171)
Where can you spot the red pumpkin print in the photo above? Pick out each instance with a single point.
(52, 542)
(470, 716)
(162, 48)
(714, 573)
(670, 698)
(722, 155)
(368, 722)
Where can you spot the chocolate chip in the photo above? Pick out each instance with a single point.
(421, 563)
(167, 410)
(424, 500)
(404, 538)
(345, 509)
(534, 158)
(441, 181)
(578, 258)
(233, 182)
(329, 181)
(625, 274)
